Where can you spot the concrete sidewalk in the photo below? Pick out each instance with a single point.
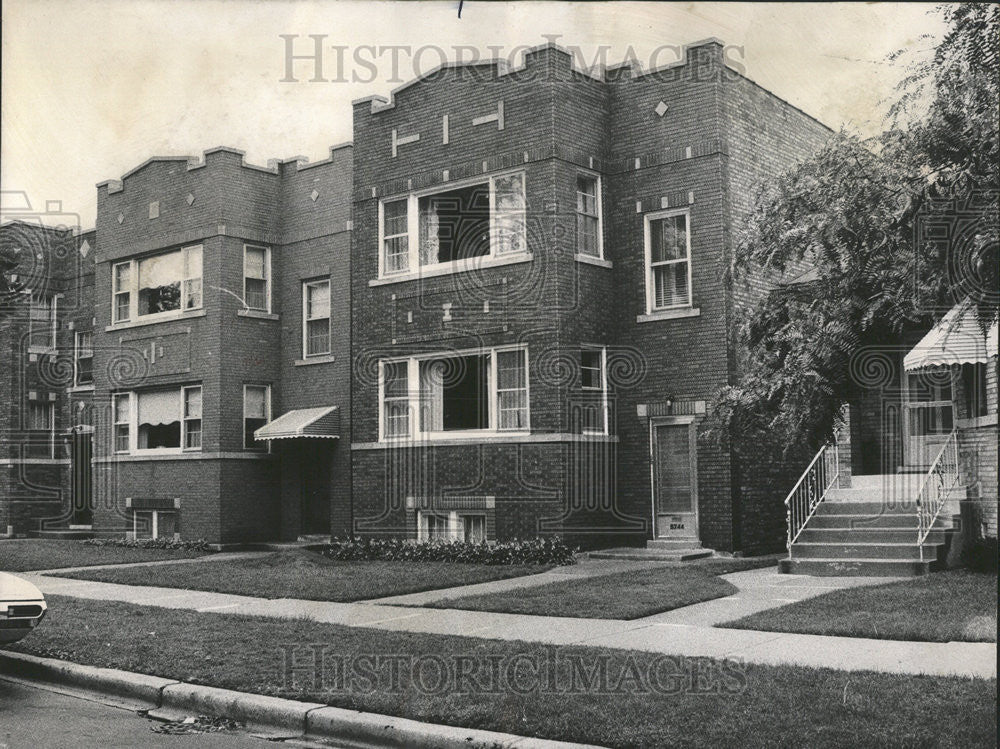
(681, 632)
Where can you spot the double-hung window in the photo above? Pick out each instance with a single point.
(159, 285)
(256, 413)
(668, 260)
(484, 218)
(42, 322)
(315, 318)
(257, 278)
(83, 358)
(594, 385)
(162, 420)
(588, 216)
(455, 394)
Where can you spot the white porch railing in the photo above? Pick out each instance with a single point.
(809, 491)
(941, 478)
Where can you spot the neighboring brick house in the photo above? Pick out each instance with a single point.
(539, 311)
(202, 272)
(46, 362)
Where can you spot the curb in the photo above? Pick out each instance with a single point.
(273, 716)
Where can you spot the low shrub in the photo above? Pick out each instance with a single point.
(149, 543)
(532, 551)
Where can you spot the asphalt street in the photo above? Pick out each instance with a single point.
(32, 717)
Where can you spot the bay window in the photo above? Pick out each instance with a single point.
(158, 285)
(479, 219)
(257, 278)
(161, 420)
(315, 318)
(455, 393)
(668, 260)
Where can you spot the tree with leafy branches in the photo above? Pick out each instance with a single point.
(852, 215)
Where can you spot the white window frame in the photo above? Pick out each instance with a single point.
(600, 215)
(647, 248)
(267, 415)
(133, 424)
(133, 287)
(413, 389)
(52, 323)
(306, 319)
(50, 409)
(76, 358)
(604, 385)
(185, 419)
(413, 266)
(454, 524)
(266, 279)
(116, 422)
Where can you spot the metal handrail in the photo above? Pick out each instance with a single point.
(941, 478)
(810, 490)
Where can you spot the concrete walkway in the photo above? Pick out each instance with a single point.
(685, 632)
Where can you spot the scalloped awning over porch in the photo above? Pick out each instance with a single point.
(956, 339)
(322, 422)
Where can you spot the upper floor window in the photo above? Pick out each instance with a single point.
(162, 284)
(167, 420)
(594, 384)
(257, 278)
(42, 322)
(83, 358)
(588, 216)
(478, 219)
(668, 260)
(256, 413)
(455, 393)
(315, 318)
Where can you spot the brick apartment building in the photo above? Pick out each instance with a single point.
(501, 312)
(220, 304)
(539, 312)
(46, 362)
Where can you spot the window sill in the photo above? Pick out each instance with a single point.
(977, 422)
(257, 314)
(42, 349)
(490, 438)
(591, 260)
(142, 323)
(669, 314)
(81, 389)
(447, 269)
(326, 359)
(193, 455)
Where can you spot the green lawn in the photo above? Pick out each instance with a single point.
(623, 595)
(305, 574)
(943, 606)
(23, 554)
(688, 702)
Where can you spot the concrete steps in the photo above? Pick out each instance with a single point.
(870, 529)
(658, 550)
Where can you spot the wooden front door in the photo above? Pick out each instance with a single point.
(674, 479)
(316, 456)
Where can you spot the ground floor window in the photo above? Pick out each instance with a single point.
(154, 524)
(974, 389)
(454, 393)
(161, 419)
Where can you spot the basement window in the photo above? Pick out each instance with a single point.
(478, 219)
(451, 526)
(154, 524)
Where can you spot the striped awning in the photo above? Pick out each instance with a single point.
(323, 422)
(956, 339)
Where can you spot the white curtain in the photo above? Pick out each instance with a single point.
(508, 218)
(432, 396)
(430, 227)
(159, 407)
(162, 270)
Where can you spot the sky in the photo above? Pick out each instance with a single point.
(93, 88)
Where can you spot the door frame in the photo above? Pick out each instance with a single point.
(691, 423)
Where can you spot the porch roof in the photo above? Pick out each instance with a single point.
(955, 339)
(323, 422)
